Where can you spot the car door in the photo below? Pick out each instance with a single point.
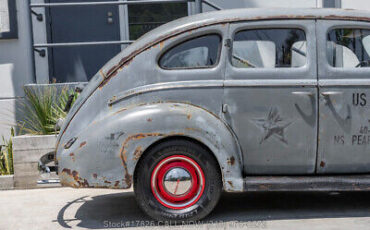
(270, 96)
(344, 87)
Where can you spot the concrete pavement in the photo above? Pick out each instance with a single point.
(61, 208)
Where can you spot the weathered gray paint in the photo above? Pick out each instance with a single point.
(131, 104)
(338, 115)
(291, 148)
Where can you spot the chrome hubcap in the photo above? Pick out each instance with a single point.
(177, 181)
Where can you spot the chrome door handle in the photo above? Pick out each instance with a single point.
(308, 93)
(331, 93)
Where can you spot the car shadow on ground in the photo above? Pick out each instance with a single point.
(121, 210)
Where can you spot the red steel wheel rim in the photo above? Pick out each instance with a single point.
(177, 182)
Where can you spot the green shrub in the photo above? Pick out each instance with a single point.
(42, 109)
(6, 155)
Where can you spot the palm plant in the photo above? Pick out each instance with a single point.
(6, 155)
(43, 108)
(62, 101)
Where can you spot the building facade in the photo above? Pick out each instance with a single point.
(66, 41)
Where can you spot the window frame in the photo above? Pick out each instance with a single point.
(184, 40)
(13, 25)
(305, 73)
(325, 70)
(266, 28)
(343, 27)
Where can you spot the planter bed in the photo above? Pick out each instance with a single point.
(6, 182)
(27, 151)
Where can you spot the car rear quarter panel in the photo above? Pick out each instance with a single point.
(108, 150)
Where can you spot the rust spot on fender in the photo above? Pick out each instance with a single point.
(102, 74)
(72, 155)
(107, 182)
(191, 129)
(231, 161)
(82, 144)
(138, 152)
(68, 171)
(123, 155)
(119, 111)
(149, 120)
(72, 178)
(230, 183)
(188, 116)
(116, 183)
(113, 71)
(75, 175)
(95, 175)
(322, 164)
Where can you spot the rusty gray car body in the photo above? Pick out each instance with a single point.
(132, 103)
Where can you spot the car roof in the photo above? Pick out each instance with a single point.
(224, 16)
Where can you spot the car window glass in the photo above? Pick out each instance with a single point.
(195, 53)
(348, 48)
(248, 54)
(366, 42)
(299, 50)
(269, 48)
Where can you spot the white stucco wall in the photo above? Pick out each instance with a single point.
(15, 68)
(356, 4)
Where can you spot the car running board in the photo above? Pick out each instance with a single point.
(308, 183)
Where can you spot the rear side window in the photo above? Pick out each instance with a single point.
(348, 48)
(269, 48)
(198, 52)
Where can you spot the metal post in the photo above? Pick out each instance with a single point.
(319, 4)
(338, 4)
(31, 42)
(198, 6)
(124, 23)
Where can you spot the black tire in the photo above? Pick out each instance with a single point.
(212, 186)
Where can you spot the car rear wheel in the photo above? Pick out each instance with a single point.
(177, 180)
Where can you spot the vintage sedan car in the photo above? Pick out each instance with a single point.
(236, 100)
